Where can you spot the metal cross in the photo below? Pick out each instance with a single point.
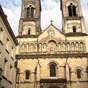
(51, 21)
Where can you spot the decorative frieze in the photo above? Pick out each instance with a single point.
(53, 47)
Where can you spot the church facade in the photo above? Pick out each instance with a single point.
(52, 58)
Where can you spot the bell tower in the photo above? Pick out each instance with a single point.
(30, 20)
(73, 20)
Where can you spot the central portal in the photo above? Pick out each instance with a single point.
(53, 87)
(53, 83)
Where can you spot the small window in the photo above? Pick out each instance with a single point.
(12, 47)
(27, 74)
(7, 39)
(29, 32)
(87, 69)
(11, 72)
(5, 67)
(74, 28)
(52, 70)
(3, 87)
(78, 73)
(1, 30)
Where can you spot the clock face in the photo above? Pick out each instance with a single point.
(51, 33)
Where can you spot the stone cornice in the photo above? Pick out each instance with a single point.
(35, 56)
(27, 36)
(53, 80)
(74, 18)
(29, 19)
(75, 34)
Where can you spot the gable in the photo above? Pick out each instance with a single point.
(51, 33)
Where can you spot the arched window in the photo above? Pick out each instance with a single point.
(87, 69)
(72, 10)
(27, 74)
(52, 70)
(74, 28)
(78, 71)
(30, 11)
(29, 32)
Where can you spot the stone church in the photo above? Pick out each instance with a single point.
(52, 58)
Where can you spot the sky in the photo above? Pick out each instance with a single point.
(50, 11)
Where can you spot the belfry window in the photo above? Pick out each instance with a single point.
(74, 28)
(72, 10)
(30, 11)
(52, 70)
(78, 71)
(27, 74)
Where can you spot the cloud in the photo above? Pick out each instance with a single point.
(49, 4)
(8, 12)
(10, 3)
(13, 18)
(51, 11)
(12, 9)
(84, 4)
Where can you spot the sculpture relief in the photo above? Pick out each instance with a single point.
(52, 47)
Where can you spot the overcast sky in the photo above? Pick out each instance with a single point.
(50, 11)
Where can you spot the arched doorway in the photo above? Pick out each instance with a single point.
(53, 86)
